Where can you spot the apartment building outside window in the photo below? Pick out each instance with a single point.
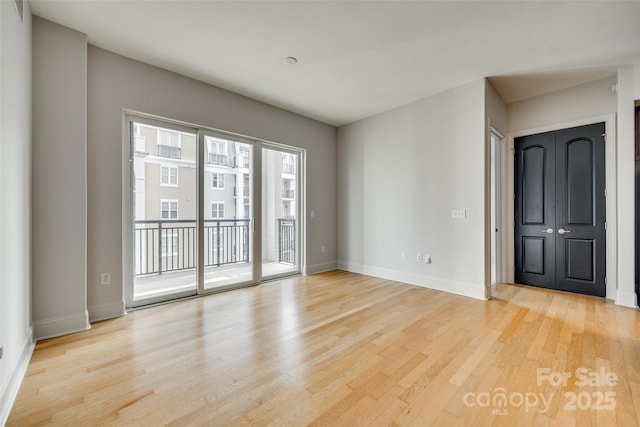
(169, 245)
(217, 210)
(243, 158)
(168, 209)
(217, 152)
(217, 180)
(168, 144)
(288, 163)
(169, 176)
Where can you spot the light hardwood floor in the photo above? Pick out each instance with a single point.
(343, 349)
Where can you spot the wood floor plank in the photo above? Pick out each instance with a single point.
(339, 349)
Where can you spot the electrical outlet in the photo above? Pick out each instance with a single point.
(403, 255)
(427, 259)
(459, 213)
(105, 278)
(419, 257)
(323, 249)
(1, 351)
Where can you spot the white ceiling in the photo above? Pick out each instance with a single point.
(359, 58)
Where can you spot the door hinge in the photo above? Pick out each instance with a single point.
(605, 280)
(514, 224)
(514, 196)
(604, 135)
(605, 225)
(605, 192)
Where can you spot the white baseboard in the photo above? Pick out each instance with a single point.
(451, 286)
(63, 325)
(107, 311)
(319, 268)
(626, 299)
(9, 394)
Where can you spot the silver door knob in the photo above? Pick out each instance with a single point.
(562, 231)
(548, 231)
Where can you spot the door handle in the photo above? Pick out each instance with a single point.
(562, 231)
(548, 231)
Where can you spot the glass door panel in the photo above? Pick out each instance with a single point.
(228, 235)
(164, 208)
(280, 207)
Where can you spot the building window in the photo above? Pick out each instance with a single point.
(169, 245)
(217, 210)
(168, 209)
(168, 144)
(217, 151)
(169, 176)
(217, 181)
(243, 157)
(287, 189)
(288, 163)
(139, 139)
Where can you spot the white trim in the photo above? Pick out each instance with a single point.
(107, 311)
(461, 288)
(319, 268)
(10, 392)
(611, 185)
(626, 299)
(63, 325)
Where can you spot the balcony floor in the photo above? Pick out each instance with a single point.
(154, 286)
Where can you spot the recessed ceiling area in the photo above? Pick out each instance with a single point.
(358, 58)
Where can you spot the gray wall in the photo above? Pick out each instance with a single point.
(628, 93)
(15, 202)
(578, 102)
(400, 175)
(116, 83)
(59, 180)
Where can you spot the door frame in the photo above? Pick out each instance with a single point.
(500, 162)
(611, 200)
(127, 202)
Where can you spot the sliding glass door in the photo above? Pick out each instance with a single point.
(227, 212)
(280, 207)
(193, 210)
(164, 189)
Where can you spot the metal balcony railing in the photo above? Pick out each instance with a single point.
(218, 159)
(289, 168)
(287, 240)
(170, 245)
(169, 151)
(242, 162)
(288, 194)
(245, 192)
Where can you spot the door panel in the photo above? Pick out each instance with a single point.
(560, 210)
(535, 210)
(533, 255)
(280, 201)
(581, 209)
(533, 190)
